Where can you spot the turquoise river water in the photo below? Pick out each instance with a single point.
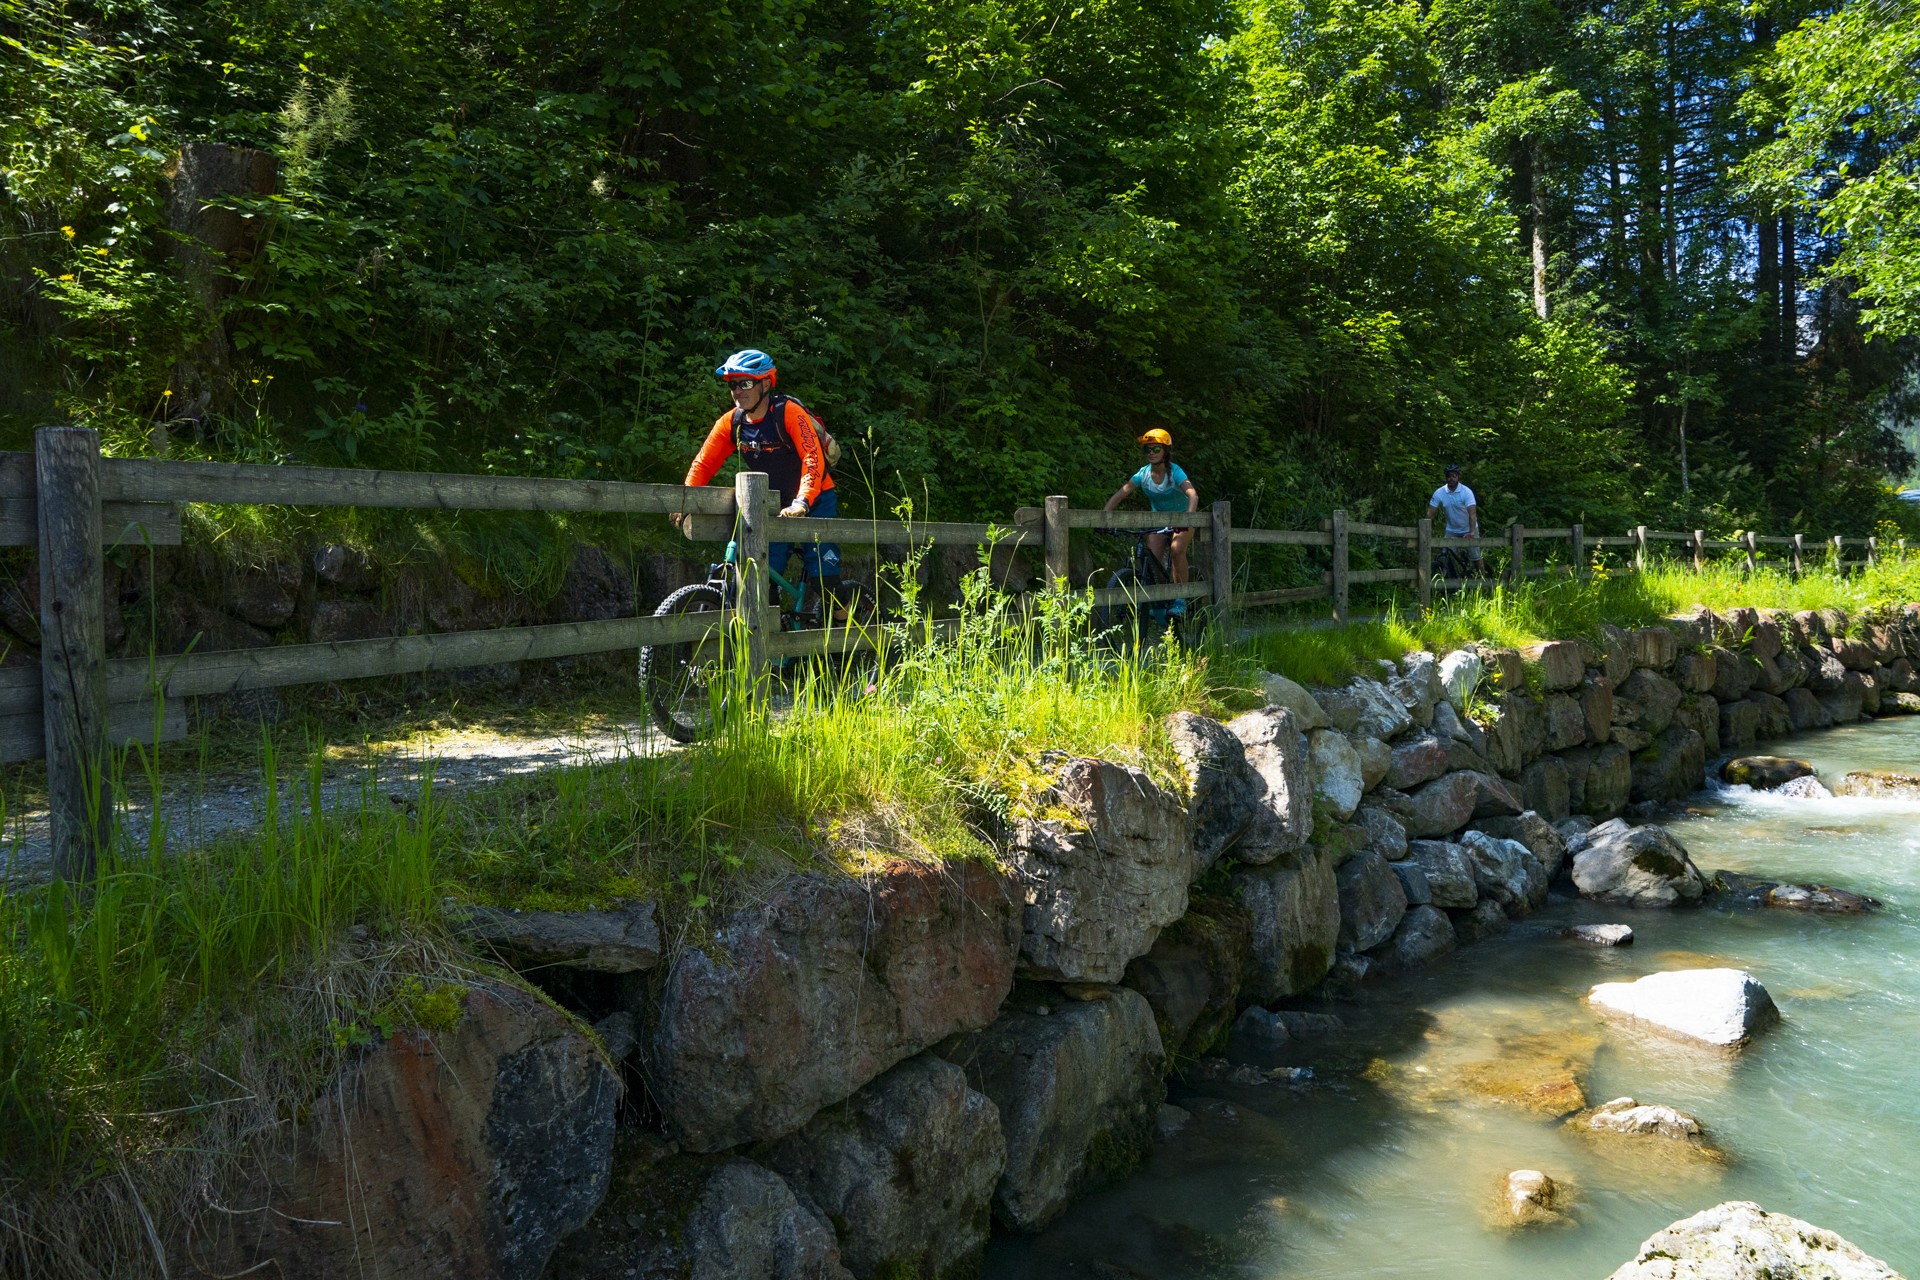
(1384, 1166)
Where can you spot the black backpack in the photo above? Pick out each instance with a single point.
(829, 447)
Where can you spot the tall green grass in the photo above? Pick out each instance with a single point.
(150, 1020)
(1564, 608)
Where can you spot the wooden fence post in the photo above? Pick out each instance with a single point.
(1699, 550)
(1579, 536)
(1516, 553)
(73, 650)
(1799, 554)
(1873, 551)
(1220, 566)
(1752, 540)
(1839, 545)
(1423, 563)
(1058, 566)
(1640, 548)
(755, 504)
(1338, 529)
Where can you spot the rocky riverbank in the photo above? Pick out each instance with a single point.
(865, 1075)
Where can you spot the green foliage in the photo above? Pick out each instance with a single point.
(1845, 87)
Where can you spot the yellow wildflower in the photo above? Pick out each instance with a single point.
(67, 232)
(67, 276)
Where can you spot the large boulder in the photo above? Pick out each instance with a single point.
(1646, 701)
(1617, 652)
(1102, 879)
(472, 1150)
(1517, 735)
(1335, 767)
(1696, 672)
(1506, 872)
(1276, 750)
(1307, 712)
(1772, 719)
(1739, 1240)
(699, 1217)
(1739, 727)
(1386, 834)
(1376, 757)
(1846, 702)
(1805, 711)
(1596, 704)
(1493, 797)
(1764, 773)
(1655, 648)
(1536, 832)
(1721, 1007)
(1447, 871)
(1673, 767)
(1366, 707)
(1372, 901)
(794, 1004)
(624, 938)
(1636, 867)
(1442, 806)
(1425, 934)
(1077, 1088)
(1562, 663)
(905, 1169)
(1295, 922)
(1416, 760)
(1599, 779)
(1546, 787)
(1566, 722)
(1418, 686)
(1192, 977)
(1460, 673)
(1226, 795)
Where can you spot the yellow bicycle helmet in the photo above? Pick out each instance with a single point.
(1157, 436)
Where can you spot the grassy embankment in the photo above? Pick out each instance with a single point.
(187, 1001)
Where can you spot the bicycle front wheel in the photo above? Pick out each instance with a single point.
(684, 681)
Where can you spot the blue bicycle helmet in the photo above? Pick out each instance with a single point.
(749, 363)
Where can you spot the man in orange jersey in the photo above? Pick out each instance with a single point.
(774, 433)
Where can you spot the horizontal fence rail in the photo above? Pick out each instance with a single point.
(72, 505)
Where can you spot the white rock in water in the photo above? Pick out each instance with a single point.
(1739, 1240)
(1530, 1198)
(1624, 1115)
(1807, 788)
(1723, 1007)
(1600, 935)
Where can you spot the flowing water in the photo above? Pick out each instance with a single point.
(1385, 1165)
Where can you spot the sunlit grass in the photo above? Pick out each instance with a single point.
(1563, 608)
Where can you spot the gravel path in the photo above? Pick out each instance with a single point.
(197, 809)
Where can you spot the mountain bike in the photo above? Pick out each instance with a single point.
(1132, 622)
(687, 682)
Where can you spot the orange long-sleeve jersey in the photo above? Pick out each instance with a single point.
(784, 444)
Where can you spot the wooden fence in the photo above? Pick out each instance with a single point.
(72, 505)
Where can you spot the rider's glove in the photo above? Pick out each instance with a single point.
(794, 508)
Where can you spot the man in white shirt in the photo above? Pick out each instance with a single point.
(1463, 520)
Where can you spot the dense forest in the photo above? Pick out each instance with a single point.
(1645, 260)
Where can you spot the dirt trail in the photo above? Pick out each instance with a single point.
(197, 808)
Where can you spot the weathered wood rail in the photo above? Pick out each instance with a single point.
(72, 504)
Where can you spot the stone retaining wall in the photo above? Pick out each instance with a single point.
(858, 1076)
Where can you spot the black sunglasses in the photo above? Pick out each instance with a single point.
(1153, 448)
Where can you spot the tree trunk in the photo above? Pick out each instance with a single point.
(1537, 204)
(1789, 302)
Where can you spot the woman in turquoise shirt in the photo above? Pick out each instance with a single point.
(1167, 489)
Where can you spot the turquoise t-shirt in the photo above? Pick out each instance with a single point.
(1170, 496)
